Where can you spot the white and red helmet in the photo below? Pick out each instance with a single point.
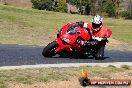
(97, 22)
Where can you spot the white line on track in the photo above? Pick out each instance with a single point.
(117, 64)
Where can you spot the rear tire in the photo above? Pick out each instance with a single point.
(49, 50)
(99, 55)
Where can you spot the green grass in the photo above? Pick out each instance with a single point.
(2, 85)
(28, 26)
(29, 76)
(126, 67)
(34, 27)
(122, 29)
(23, 79)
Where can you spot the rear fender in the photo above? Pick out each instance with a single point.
(60, 43)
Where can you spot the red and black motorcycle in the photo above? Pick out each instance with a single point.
(69, 40)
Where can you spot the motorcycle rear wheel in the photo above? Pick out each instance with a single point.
(49, 50)
(99, 55)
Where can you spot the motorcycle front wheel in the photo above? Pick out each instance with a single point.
(49, 50)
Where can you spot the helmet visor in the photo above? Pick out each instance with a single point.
(96, 25)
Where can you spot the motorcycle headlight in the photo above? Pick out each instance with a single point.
(66, 40)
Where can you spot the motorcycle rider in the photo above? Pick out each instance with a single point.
(97, 29)
(98, 34)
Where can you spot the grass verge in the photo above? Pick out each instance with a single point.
(30, 76)
(36, 27)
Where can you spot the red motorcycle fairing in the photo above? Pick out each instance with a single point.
(83, 33)
(67, 47)
(72, 38)
(60, 43)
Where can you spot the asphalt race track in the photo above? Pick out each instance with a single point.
(16, 55)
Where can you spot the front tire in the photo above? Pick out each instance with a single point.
(49, 50)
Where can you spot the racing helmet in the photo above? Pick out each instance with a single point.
(97, 22)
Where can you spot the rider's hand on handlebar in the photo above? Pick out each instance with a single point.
(82, 42)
